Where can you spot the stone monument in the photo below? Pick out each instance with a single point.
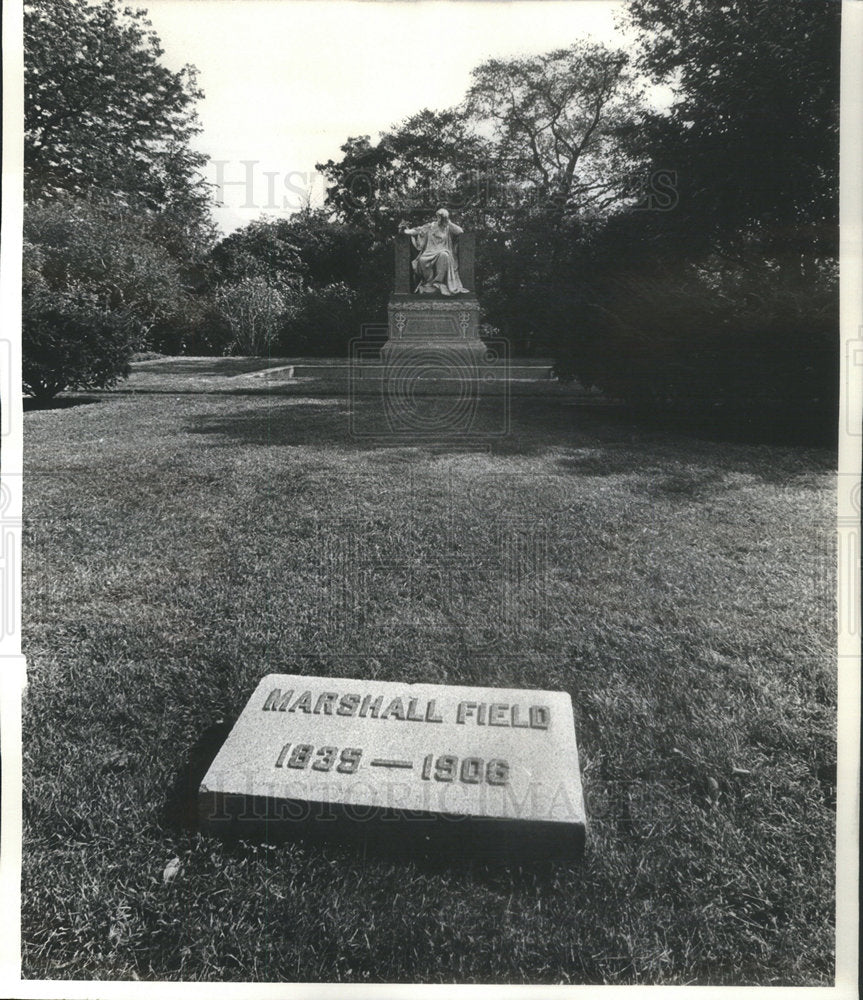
(494, 766)
(433, 313)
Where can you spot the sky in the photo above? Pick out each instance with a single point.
(287, 81)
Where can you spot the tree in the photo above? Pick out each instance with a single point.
(753, 133)
(556, 122)
(117, 213)
(254, 310)
(725, 311)
(95, 289)
(259, 249)
(87, 245)
(307, 246)
(102, 114)
(535, 149)
(330, 271)
(431, 158)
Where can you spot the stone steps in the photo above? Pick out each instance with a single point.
(518, 369)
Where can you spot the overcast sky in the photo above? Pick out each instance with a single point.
(287, 81)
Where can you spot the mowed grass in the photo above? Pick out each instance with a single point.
(186, 538)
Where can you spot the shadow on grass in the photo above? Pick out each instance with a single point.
(601, 442)
(181, 806)
(30, 404)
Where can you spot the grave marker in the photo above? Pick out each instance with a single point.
(309, 749)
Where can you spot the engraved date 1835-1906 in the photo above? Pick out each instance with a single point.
(445, 767)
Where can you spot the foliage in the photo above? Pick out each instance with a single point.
(337, 274)
(716, 300)
(257, 250)
(119, 285)
(718, 343)
(253, 310)
(431, 158)
(536, 147)
(118, 122)
(117, 216)
(308, 246)
(556, 122)
(754, 130)
(71, 341)
(324, 323)
(534, 135)
(109, 251)
(723, 311)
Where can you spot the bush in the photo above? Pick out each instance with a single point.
(199, 327)
(69, 341)
(95, 279)
(742, 344)
(107, 250)
(324, 322)
(724, 346)
(254, 311)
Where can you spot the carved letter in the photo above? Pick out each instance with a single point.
(348, 704)
(464, 709)
(276, 701)
(540, 717)
(515, 719)
(325, 701)
(430, 716)
(303, 703)
(395, 708)
(371, 706)
(497, 715)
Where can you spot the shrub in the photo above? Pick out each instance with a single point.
(70, 341)
(106, 250)
(728, 346)
(324, 322)
(95, 279)
(254, 311)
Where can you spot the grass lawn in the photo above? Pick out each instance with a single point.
(187, 537)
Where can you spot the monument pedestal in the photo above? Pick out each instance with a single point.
(433, 330)
(438, 329)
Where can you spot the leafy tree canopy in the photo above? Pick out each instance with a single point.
(432, 158)
(103, 114)
(753, 133)
(533, 136)
(556, 122)
(308, 247)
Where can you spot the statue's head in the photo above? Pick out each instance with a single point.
(442, 216)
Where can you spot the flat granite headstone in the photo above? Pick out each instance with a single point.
(499, 762)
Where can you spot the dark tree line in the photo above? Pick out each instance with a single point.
(684, 262)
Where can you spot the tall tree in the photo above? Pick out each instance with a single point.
(724, 311)
(753, 133)
(431, 158)
(556, 122)
(102, 114)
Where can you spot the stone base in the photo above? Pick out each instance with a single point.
(434, 353)
(437, 328)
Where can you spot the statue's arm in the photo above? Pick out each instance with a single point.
(455, 230)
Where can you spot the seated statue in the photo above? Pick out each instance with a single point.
(436, 264)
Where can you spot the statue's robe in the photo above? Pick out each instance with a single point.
(436, 264)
